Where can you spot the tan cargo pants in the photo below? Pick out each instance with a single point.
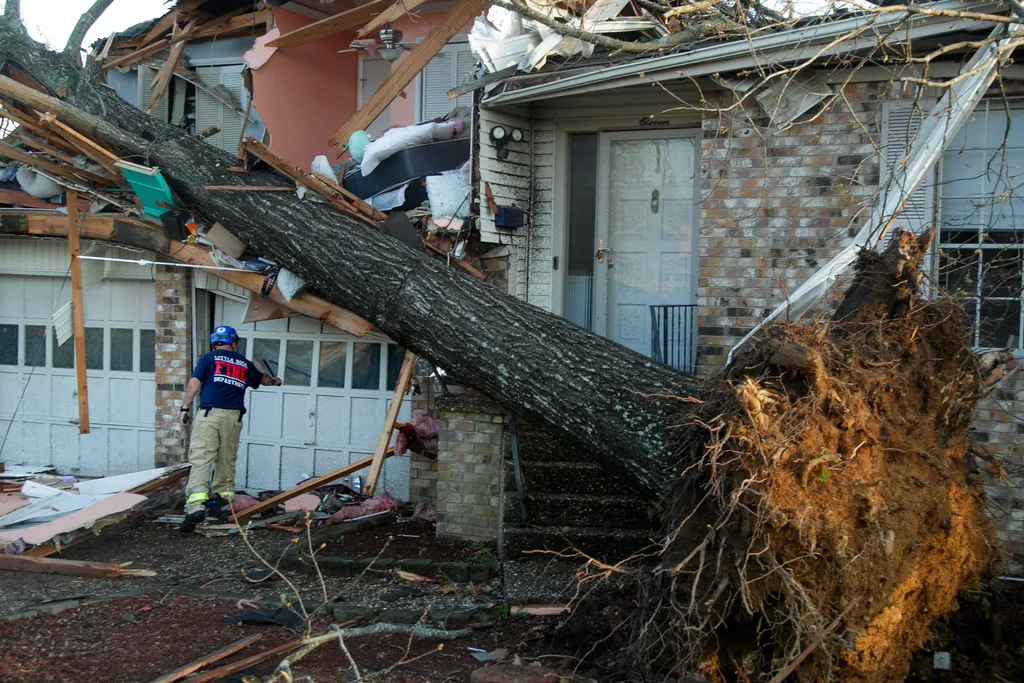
(214, 445)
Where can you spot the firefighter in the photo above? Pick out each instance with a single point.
(220, 378)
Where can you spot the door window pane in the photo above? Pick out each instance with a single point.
(94, 348)
(396, 354)
(35, 346)
(298, 363)
(267, 352)
(122, 347)
(332, 365)
(242, 346)
(63, 354)
(147, 350)
(365, 365)
(8, 344)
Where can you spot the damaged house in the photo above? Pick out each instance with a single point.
(668, 199)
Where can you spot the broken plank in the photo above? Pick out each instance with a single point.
(68, 172)
(308, 486)
(216, 656)
(407, 69)
(397, 397)
(49, 565)
(454, 261)
(24, 199)
(357, 16)
(249, 188)
(166, 74)
(397, 10)
(482, 82)
(360, 205)
(243, 664)
(253, 22)
(94, 151)
(207, 29)
(23, 137)
(162, 26)
(78, 312)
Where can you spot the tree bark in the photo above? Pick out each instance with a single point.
(73, 48)
(561, 377)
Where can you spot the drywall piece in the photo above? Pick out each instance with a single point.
(787, 98)
(45, 509)
(23, 471)
(34, 489)
(86, 518)
(307, 501)
(9, 502)
(122, 482)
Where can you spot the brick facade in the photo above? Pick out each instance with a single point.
(470, 438)
(173, 360)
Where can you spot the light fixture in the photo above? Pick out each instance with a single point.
(498, 134)
(517, 135)
(391, 54)
(390, 37)
(501, 136)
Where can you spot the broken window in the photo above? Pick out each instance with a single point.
(981, 240)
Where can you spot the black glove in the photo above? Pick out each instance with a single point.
(186, 417)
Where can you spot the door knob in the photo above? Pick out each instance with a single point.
(655, 201)
(601, 249)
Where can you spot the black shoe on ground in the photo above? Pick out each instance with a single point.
(218, 509)
(191, 521)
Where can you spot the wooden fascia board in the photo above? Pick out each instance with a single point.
(357, 16)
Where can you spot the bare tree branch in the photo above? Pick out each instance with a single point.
(12, 8)
(85, 22)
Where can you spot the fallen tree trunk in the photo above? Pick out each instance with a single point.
(563, 378)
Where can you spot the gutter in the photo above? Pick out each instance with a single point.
(794, 44)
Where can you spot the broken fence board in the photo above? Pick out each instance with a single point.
(194, 666)
(49, 565)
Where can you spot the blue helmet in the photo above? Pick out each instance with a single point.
(223, 335)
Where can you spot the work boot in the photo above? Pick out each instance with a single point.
(218, 509)
(191, 521)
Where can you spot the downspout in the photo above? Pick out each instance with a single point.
(939, 127)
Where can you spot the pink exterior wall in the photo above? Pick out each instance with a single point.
(305, 94)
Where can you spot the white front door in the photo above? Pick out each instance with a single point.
(646, 232)
(373, 71)
(38, 389)
(330, 410)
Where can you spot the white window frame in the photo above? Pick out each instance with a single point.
(460, 40)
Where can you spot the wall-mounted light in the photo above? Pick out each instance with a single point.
(501, 136)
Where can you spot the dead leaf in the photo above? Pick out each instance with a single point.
(413, 578)
(499, 654)
(448, 590)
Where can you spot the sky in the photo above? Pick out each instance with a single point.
(51, 21)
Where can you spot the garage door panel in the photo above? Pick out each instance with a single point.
(302, 324)
(367, 420)
(99, 403)
(12, 296)
(264, 467)
(13, 443)
(296, 425)
(12, 383)
(38, 298)
(35, 443)
(230, 312)
(296, 465)
(396, 476)
(123, 301)
(36, 402)
(124, 399)
(122, 450)
(96, 304)
(332, 421)
(147, 455)
(93, 447)
(264, 417)
(327, 461)
(66, 454)
(63, 403)
(147, 302)
(280, 325)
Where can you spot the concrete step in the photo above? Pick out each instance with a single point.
(541, 447)
(565, 477)
(607, 545)
(580, 509)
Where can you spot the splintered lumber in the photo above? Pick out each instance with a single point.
(216, 656)
(210, 28)
(49, 565)
(162, 26)
(307, 486)
(253, 22)
(31, 126)
(166, 73)
(458, 263)
(68, 172)
(21, 198)
(359, 204)
(357, 16)
(393, 13)
(243, 664)
(25, 139)
(262, 152)
(94, 151)
(397, 397)
(78, 312)
(407, 69)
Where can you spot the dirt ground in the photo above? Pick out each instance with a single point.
(408, 540)
(139, 639)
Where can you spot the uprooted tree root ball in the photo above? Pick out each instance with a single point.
(829, 508)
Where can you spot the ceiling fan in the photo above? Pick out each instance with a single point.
(390, 46)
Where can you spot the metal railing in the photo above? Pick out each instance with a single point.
(674, 336)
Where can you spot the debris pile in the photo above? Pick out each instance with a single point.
(831, 512)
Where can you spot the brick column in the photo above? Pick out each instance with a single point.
(173, 360)
(470, 434)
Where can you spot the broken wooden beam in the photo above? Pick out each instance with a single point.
(465, 267)
(397, 398)
(216, 656)
(407, 69)
(243, 664)
(205, 30)
(74, 173)
(393, 13)
(308, 486)
(357, 16)
(49, 565)
(89, 148)
(78, 313)
(165, 74)
(360, 205)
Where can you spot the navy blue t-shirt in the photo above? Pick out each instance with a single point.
(225, 374)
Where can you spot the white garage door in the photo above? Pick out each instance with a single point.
(329, 412)
(38, 391)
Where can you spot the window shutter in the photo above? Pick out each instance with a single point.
(436, 80)
(901, 121)
(465, 63)
(147, 75)
(212, 112)
(232, 121)
(208, 107)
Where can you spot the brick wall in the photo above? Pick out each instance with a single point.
(471, 433)
(776, 206)
(173, 360)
